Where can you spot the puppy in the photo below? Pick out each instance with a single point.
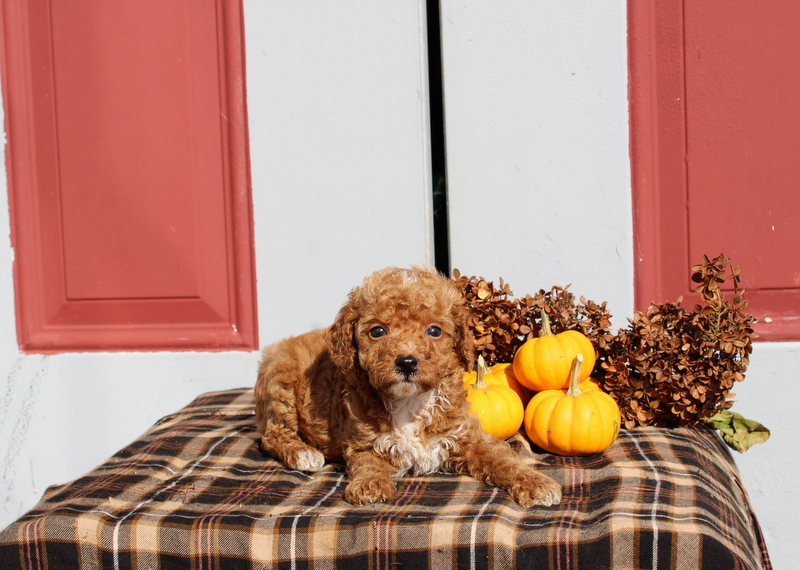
(381, 390)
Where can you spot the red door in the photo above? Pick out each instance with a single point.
(715, 125)
(128, 174)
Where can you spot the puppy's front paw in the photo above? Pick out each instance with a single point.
(296, 455)
(309, 460)
(533, 488)
(363, 491)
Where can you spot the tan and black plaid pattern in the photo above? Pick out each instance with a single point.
(196, 492)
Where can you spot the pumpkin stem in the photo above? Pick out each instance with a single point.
(575, 376)
(546, 330)
(481, 370)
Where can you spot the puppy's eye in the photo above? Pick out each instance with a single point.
(434, 331)
(377, 332)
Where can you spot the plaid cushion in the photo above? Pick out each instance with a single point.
(196, 492)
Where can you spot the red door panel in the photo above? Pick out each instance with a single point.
(127, 164)
(742, 138)
(127, 193)
(715, 139)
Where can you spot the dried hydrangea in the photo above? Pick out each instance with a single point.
(670, 366)
(674, 366)
(497, 322)
(500, 323)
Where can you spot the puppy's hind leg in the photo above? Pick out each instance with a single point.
(290, 449)
(277, 418)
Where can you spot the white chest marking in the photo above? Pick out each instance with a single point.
(403, 445)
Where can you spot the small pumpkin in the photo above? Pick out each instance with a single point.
(501, 373)
(588, 385)
(544, 363)
(575, 422)
(498, 407)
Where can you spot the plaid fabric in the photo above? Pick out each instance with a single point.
(196, 492)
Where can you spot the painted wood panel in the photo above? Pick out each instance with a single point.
(128, 174)
(715, 138)
(538, 169)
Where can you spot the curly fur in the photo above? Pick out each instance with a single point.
(381, 390)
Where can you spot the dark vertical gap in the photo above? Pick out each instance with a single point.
(441, 231)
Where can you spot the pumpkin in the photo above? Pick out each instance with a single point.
(498, 407)
(587, 385)
(575, 422)
(501, 373)
(544, 363)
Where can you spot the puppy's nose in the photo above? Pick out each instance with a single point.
(406, 364)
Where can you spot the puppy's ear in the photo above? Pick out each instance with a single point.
(465, 341)
(341, 339)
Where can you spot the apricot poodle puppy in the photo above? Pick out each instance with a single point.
(381, 390)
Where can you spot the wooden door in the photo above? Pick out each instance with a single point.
(715, 141)
(128, 174)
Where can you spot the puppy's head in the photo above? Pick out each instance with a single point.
(405, 330)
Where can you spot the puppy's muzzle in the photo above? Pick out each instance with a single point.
(406, 365)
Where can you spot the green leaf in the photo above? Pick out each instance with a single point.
(738, 432)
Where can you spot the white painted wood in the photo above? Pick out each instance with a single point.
(339, 138)
(537, 145)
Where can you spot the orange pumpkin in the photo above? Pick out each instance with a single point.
(575, 422)
(588, 385)
(501, 373)
(544, 363)
(498, 407)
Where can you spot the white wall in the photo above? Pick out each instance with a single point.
(537, 145)
(770, 394)
(536, 107)
(340, 151)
